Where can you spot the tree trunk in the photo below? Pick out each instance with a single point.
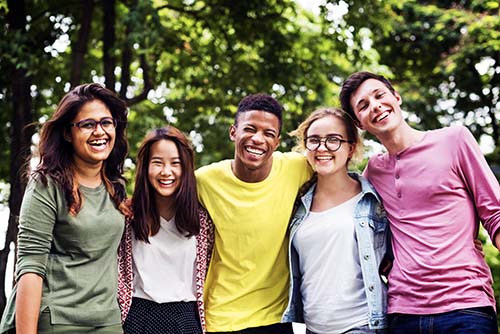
(127, 54)
(108, 43)
(80, 48)
(126, 60)
(21, 139)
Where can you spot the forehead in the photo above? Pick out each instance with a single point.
(95, 109)
(164, 149)
(327, 125)
(366, 88)
(259, 118)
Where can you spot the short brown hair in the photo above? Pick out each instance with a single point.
(352, 83)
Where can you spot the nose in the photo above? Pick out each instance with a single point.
(322, 145)
(258, 137)
(99, 128)
(376, 106)
(166, 170)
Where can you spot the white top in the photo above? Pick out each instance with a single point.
(332, 283)
(164, 269)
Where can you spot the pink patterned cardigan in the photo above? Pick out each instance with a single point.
(204, 246)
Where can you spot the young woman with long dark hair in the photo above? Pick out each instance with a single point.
(168, 236)
(70, 224)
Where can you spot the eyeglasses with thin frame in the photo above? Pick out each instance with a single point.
(89, 125)
(331, 143)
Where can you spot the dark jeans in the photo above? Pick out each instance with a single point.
(476, 320)
(279, 328)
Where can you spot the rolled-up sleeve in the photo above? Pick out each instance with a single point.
(36, 223)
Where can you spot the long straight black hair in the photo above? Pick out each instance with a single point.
(146, 221)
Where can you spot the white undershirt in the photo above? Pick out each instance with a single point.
(164, 269)
(332, 283)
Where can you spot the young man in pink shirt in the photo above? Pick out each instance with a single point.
(436, 187)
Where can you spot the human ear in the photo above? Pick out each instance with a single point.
(232, 132)
(398, 97)
(278, 141)
(352, 149)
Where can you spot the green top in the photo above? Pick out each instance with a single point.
(76, 256)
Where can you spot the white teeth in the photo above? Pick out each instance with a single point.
(324, 158)
(98, 142)
(381, 116)
(166, 182)
(254, 151)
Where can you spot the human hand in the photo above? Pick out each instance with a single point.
(478, 245)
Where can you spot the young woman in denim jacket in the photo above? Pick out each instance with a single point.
(338, 235)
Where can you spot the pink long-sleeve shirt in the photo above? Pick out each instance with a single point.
(436, 192)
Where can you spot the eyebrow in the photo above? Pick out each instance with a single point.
(328, 135)
(250, 124)
(161, 157)
(371, 93)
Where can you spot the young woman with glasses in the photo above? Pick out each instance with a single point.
(70, 223)
(338, 235)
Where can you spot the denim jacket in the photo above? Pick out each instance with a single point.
(371, 228)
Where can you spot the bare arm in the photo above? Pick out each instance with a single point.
(28, 300)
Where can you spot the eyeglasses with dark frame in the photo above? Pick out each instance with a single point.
(89, 125)
(331, 143)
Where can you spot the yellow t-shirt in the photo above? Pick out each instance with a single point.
(247, 281)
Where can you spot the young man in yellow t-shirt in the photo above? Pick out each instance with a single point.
(250, 199)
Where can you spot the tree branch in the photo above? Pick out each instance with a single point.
(194, 13)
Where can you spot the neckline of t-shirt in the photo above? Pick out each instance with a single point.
(167, 221)
(92, 190)
(354, 199)
(411, 147)
(252, 184)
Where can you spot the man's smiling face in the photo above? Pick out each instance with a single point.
(256, 136)
(376, 107)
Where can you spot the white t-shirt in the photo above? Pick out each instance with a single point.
(164, 269)
(332, 283)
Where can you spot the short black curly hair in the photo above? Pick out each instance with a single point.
(260, 102)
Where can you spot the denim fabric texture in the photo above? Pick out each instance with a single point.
(371, 228)
(476, 320)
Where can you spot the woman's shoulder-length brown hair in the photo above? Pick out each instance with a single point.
(146, 221)
(56, 153)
